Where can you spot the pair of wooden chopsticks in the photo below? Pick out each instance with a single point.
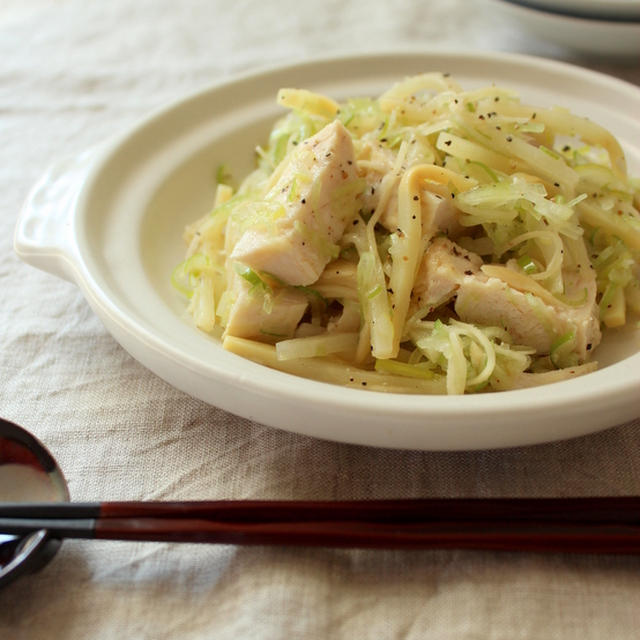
(587, 525)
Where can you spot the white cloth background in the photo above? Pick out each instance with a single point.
(73, 73)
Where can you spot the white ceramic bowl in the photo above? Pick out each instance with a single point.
(112, 220)
(603, 9)
(615, 38)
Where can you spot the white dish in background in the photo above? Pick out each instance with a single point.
(588, 35)
(112, 222)
(604, 9)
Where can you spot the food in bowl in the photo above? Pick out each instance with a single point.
(432, 240)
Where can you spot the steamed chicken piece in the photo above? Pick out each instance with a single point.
(448, 271)
(441, 273)
(529, 320)
(313, 190)
(338, 280)
(439, 215)
(375, 161)
(580, 284)
(249, 317)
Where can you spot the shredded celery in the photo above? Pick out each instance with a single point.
(186, 275)
(527, 264)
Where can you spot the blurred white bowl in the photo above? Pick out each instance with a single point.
(589, 35)
(603, 9)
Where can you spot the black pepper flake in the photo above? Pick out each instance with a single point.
(509, 138)
(446, 74)
(303, 200)
(447, 142)
(413, 217)
(364, 383)
(468, 272)
(294, 143)
(453, 195)
(383, 139)
(355, 222)
(566, 148)
(328, 154)
(480, 117)
(498, 127)
(589, 347)
(496, 99)
(533, 117)
(349, 161)
(373, 190)
(416, 198)
(351, 379)
(456, 100)
(556, 184)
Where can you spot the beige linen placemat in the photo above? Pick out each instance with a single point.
(73, 73)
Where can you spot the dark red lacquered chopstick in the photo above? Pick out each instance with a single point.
(476, 534)
(620, 509)
(604, 525)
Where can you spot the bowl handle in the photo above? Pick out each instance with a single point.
(44, 232)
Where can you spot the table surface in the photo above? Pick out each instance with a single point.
(73, 73)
